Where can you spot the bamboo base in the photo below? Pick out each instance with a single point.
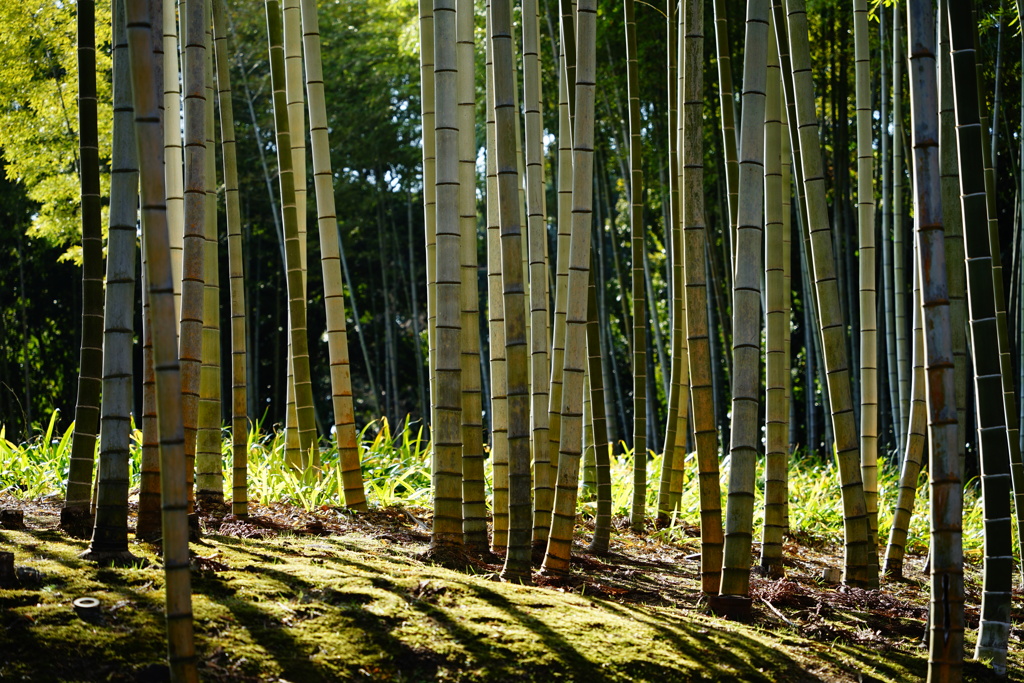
(730, 606)
(7, 575)
(893, 570)
(76, 522)
(450, 556)
(111, 558)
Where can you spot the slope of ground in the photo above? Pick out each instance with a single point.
(301, 597)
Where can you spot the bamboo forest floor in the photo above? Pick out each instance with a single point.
(294, 596)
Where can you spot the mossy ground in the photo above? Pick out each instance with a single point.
(343, 597)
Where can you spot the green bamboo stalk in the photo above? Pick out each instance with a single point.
(597, 425)
(676, 318)
(109, 543)
(911, 458)
(1002, 329)
(556, 559)
(293, 261)
(954, 229)
(87, 406)
(991, 418)
(636, 214)
(776, 319)
(886, 205)
(429, 175)
(174, 177)
(899, 279)
(861, 564)
(545, 498)
(699, 343)
(520, 531)
(746, 318)
(728, 122)
(678, 471)
(297, 451)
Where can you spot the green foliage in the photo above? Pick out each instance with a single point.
(39, 115)
(396, 471)
(40, 466)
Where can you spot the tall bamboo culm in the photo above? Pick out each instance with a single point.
(946, 627)
(110, 534)
(76, 514)
(861, 565)
(193, 38)
(209, 465)
(563, 222)
(911, 457)
(699, 342)
(149, 150)
(776, 319)
(636, 216)
(293, 256)
(174, 177)
(474, 509)
(676, 401)
(954, 229)
(496, 323)
(520, 532)
(746, 311)
(236, 274)
(300, 418)
(330, 262)
(866, 264)
(994, 458)
(447, 405)
(556, 559)
(899, 280)
(426, 10)
(540, 368)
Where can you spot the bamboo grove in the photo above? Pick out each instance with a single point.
(745, 262)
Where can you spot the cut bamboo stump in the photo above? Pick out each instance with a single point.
(7, 576)
(12, 519)
(730, 606)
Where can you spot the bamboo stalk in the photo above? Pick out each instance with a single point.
(149, 151)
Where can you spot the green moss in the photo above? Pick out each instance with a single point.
(354, 608)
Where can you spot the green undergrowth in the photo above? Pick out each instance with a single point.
(396, 471)
(354, 607)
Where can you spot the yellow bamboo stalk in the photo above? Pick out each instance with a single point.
(330, 262)
(556, 559)
(209, 465)
(540, 370)
(192, 287)
(447, 421)
(149, 149)
(474, 509)
(236, 274)
(496, 324)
